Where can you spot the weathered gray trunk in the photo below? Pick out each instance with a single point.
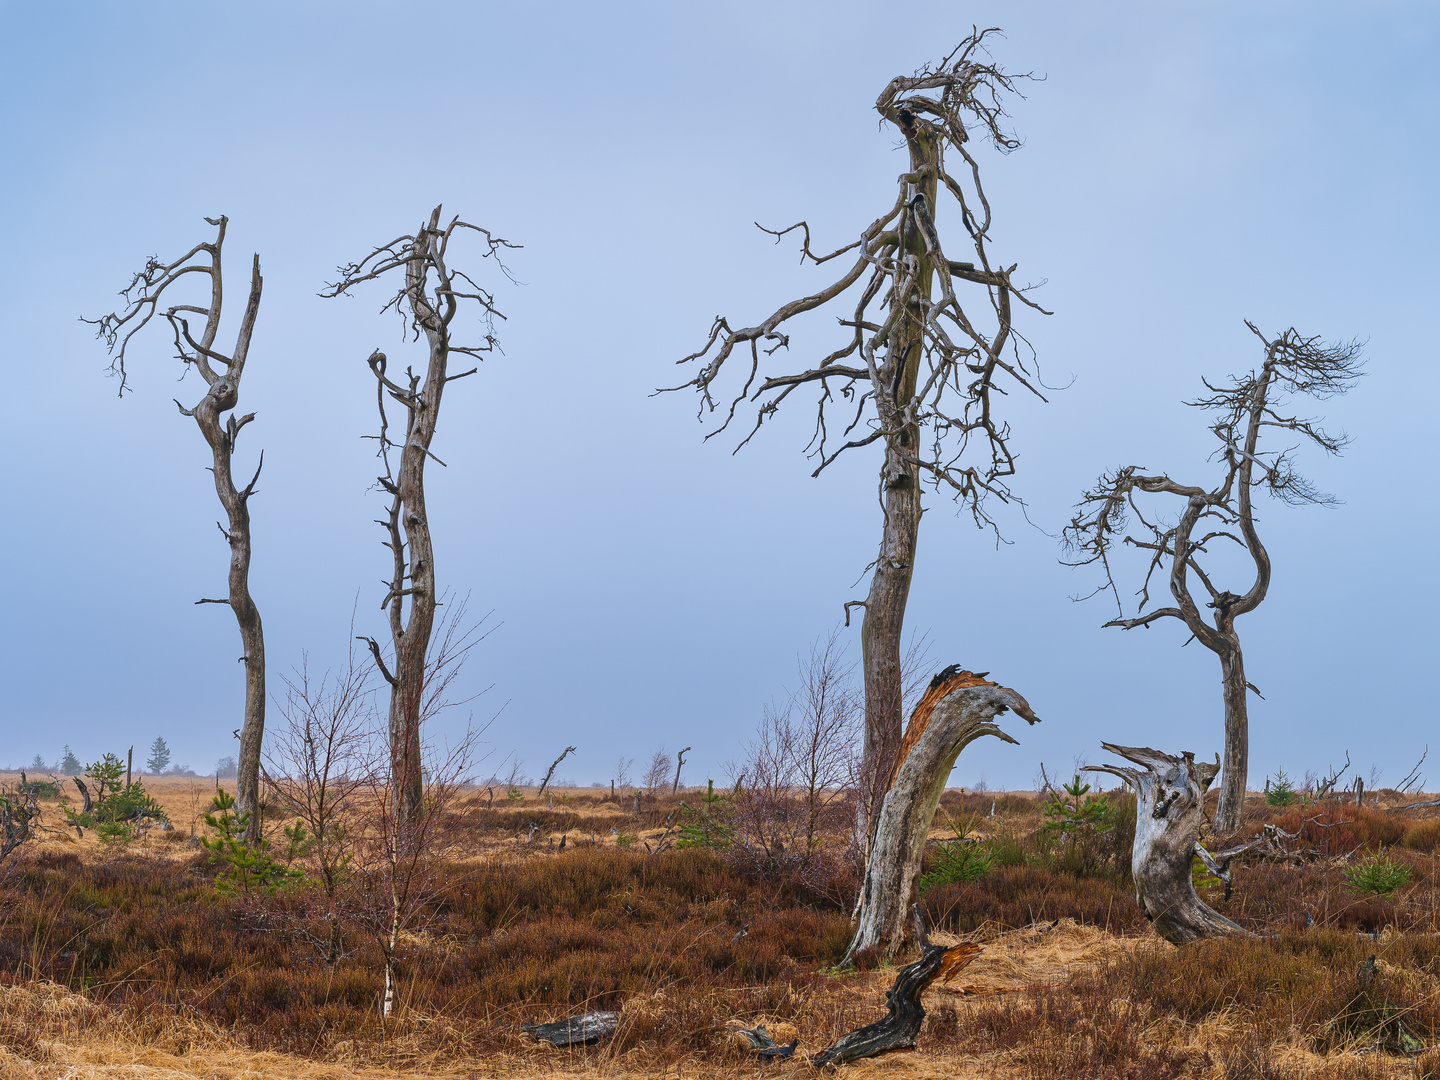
(1236, 762)
(883, 627)
(223, 396)
(409, 522)
(957, 709)
(1169, 807)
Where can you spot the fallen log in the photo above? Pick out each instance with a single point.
(897, 1031)
(1170, 796)
(575, 1030)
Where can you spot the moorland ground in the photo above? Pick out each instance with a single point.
(124, 959)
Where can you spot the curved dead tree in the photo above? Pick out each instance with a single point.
(431, 295)
(1250, 410)
(149, 295)
(1169, 807)
(915, 369)
(958, 708)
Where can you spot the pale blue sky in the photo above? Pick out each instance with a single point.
(1186, 166)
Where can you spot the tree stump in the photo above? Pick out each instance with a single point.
(958, 708)
(1170, 795)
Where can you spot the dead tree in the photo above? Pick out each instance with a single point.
(19, 810)
(958, 708)
(1170, 798)
(430, 297)
(900, 1026)
(551, 771)
(679, 764)
(1247, 408)
(914, 371)
(149, 295)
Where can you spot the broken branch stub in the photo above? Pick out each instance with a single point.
(958, 708)
(1170, 797)
(900, 1026)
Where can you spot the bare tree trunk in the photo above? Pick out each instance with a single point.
(236, 501)
(957, 709)
(679, 764)
(429, 314)
(1170, 798)
(883, 627)
(1235, 771)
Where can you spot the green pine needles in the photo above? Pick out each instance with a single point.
(117, 811)
(250, 867)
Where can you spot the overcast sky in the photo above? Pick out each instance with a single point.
(1185, 167)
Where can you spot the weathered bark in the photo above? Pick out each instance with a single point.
(222, 375)
(17, 812)
(576, 1030)
(882, 628)
(1235, 766)
(222, 396)
(957, 709)
(1169, 806)
(918, 376)
(679, 764)
(897, 1031)
(766, 1047)
(430, 298)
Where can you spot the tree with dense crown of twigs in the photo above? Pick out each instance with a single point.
(1249, 409)
(915, 370)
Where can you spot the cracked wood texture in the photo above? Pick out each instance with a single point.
(958, 708)
(901, 1024)
(1169, 807)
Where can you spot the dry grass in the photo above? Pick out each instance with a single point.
(122, 961)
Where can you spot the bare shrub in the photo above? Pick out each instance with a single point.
(798, 765)
(657, 775)
(315, 764)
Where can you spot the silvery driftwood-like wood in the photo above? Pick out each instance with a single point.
(958, 708)
(1170, 796)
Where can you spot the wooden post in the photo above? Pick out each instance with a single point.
(129, 760)
(1359, 791)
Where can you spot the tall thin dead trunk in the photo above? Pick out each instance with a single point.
(882, 629)
(915, 368)
(1236, 761)
(430, 298)
(220, 432)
